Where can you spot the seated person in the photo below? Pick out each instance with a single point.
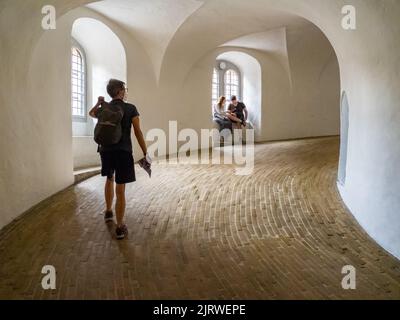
(239, 110)
(224, 119)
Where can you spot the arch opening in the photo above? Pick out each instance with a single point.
(240, 75)
(104, 60)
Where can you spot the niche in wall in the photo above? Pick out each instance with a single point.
(250, 90)
(104, 59)
(344, 129)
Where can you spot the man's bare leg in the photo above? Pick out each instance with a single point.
(109, 193)
(232, 116)
(120, 204)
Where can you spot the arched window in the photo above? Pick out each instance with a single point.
(78, 84)
(215, 87)
(226, 81)
(231, 81)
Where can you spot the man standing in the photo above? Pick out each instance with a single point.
(117, 160)
(239, 109)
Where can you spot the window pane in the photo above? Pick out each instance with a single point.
(231, 83)
(215, 87)
(77, 83)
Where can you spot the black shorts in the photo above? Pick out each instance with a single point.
(119, 163)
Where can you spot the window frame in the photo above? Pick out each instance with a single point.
(215, 85)
(231, 84)
(77, 46)
(221, 79)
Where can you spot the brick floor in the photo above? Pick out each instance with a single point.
(200, 232)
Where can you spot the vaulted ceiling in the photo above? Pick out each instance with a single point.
(153, 23)
(187, 29)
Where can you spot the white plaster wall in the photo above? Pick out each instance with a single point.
(277, 116)
(84, 152)
(80, 128)
(153, 23)
(273, 42)
(35, 127)
(315, 83)
(370, 73)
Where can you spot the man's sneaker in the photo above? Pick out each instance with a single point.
(121, 232)
(108, 216)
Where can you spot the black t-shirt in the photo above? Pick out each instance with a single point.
(130, 112)
(238, 109)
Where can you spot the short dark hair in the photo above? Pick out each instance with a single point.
(233, 98)
(114, 86)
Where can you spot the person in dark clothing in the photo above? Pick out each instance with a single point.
(239, 110)
(221, 117)
(117, 162)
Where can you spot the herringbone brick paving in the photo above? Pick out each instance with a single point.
(201, 232)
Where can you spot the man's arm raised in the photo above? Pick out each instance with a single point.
(93, 111)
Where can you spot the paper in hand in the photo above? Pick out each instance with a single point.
(146, 165)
